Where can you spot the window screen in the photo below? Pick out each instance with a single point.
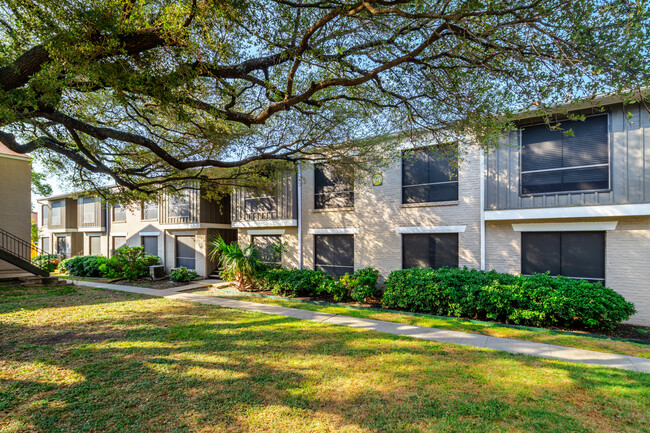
(150, 244)
(430, 250)
(88, 209)
(264, 245)
(45, 245)
(119, 213)
(552, 162)
(57, 210)
(179, 207)
(430, 174)
(185, 252)
(118, 242)
(335, 254)
(95, 245)
(260, 204)
(330, 189)
(45, 215)
(571, 254)
(150, 211)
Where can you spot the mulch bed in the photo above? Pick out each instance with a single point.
(157, 284)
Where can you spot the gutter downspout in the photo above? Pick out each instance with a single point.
(108, 231)
(482, 210)
(299, 218)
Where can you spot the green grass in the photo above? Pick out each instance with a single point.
(77, 359)
(581, 341)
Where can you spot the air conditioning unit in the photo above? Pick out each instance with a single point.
(157, 272)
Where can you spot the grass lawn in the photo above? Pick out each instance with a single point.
(79, 359)
(601, 344)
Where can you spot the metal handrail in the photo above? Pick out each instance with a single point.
(18, 247)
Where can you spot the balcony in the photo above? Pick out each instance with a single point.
(255, 208)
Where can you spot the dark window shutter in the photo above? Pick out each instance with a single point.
(540, 252)
(583, 255)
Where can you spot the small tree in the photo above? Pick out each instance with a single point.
(236, 264)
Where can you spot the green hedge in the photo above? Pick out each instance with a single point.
(538, 300)
(83, 266)
(48, 262)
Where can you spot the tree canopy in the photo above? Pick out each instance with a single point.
(152, 93)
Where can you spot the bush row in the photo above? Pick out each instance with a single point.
(537, 300)
(127, 262)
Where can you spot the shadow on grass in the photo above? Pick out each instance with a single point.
(134, 364)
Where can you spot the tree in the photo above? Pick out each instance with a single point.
(153, 94)
(39, 186)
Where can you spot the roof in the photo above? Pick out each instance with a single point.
(4, 150)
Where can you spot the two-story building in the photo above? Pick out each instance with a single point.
(176, 228)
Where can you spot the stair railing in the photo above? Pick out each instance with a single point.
(18, 247)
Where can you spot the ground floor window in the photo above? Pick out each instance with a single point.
(118, 242)
(62, 246)
(150, 244)
(334, 254)
(430, 250)
(185, 252)
(45, 245)
(571, 254)
(266, 245)
(95, 248)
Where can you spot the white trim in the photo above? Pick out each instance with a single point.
(63, 230)
(149, 234)
(22, 158)
(430, 229)
(119, 234)
(339, 231)
(269, 232)
(271, 223)
(482, 207)
(195, 226)
(92, 229)
(187, 233)
(94, 235)
(569, 212)
(583, 226)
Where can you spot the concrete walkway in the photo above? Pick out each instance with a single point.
(442, 335)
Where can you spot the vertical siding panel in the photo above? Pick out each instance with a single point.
(619, 157)
(491, 184)
(635, 157)
(502, 177)
(513, 174)
(645, 128)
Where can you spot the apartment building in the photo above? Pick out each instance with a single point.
(176, 228)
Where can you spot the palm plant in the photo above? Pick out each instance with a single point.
(236, 264)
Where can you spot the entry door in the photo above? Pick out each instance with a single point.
(185, 252)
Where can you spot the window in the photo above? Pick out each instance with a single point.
(428, 175)
(572, 254)
(45, 215)
(150, 244)
(335, 254)
(149, 211)
(119, 214)
(551, 162)
(330, 189)
(88, 209)
(259, 203)
(62, 246)
(45, 245)
(57, 210)
(118, 242)
(95, 245)
(179, 206)
(265, 245)
(185, 252)
(430, 250)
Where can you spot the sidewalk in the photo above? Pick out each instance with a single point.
(442, 335)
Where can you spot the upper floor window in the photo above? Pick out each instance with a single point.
(259, 203)
(119, 213)
(179, 206)
(45, 215)
(149, 210)
(57, 210)
(88, 209)
(331, 190)
(430, 174)
(552, 162)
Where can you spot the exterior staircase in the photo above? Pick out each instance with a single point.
(18, 252)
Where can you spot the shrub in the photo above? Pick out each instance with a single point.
(237, 264)
(182, 274)
(538, 300)
(293, 282)
(359, 286)
(128, 262)
(83, 266)
(48, 262)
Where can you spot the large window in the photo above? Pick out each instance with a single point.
(95, 245)
(150, 244)
(266, 248)
(62, 246)
(179, 206)
(45, 215)
(552, 162)
(118, 242)
(330, 189)
(45, 245)
(149, 210)
(572, 254)
(430, 174)
(57, 211)
(88, 209)
(259, 203)
(335, 254)
(185, 252)
(430, 250)
(119, 214)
